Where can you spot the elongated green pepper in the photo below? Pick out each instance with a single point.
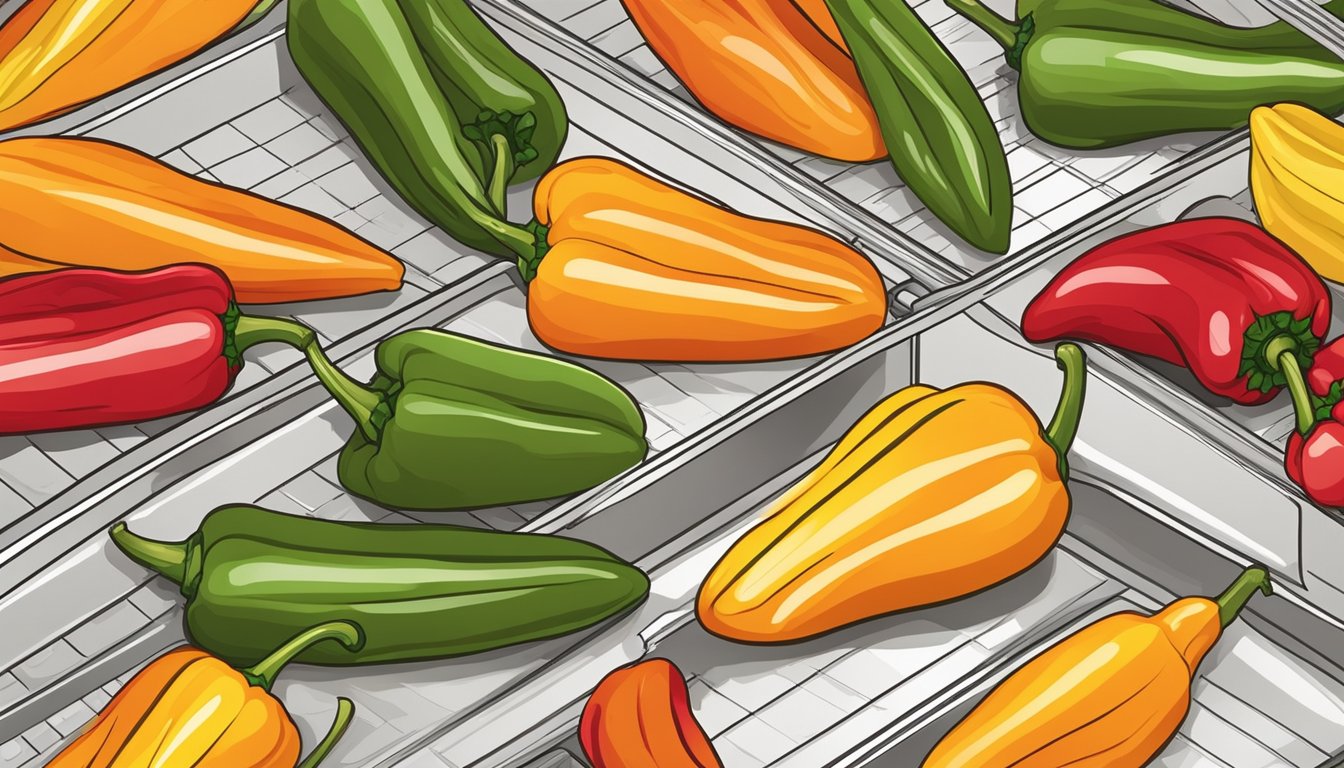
(1097, 75)
(503, 103)
(940, 135)
(253, 578)
(449, 422)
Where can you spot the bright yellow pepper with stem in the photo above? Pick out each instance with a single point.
(188, 708)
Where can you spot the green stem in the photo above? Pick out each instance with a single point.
(1252, 580)
(257, 13)
(167, 558)
(499, 180)
(1003, 31)
(1064, 426)
(345, 711)
(256, 330)
(357, 400)
(1282, 354)
(263, 672)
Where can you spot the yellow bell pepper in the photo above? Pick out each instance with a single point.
(188, 708)
(931, 496)
(1108, 696)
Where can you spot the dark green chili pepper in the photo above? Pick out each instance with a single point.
(938, 131)
(504, 104)
(254, 578)
(450, 422)
(1095, 75)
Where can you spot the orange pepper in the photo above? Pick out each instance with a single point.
(1108, 696)
(764, 67)
(639, 270)
(640, 716)
(819, 14)
(85, 203)
(57, 55)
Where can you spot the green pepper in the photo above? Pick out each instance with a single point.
(1097, 75)
(254, 578)
(939, 134)
(503, 103)
(362, 60)
(449, 422)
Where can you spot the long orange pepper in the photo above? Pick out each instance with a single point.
(1109, 696)
(639, 270)
(764, 67)
(640, 716)
(819, 14)
(80, 202)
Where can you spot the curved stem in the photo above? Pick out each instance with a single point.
(263, 672)
(1003, 31)
(1064, 426)
(167, 558)
(499, 180)
(1282, 354)
(345, 712)
(1252, 580)
(256, 330)
(358, 400)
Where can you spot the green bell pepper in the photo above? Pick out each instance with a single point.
(254, 578)
(939, 134)
(449, 422)
(1102, 74)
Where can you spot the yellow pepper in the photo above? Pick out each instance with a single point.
(188, 708)
(1108, 696)
(931, 496)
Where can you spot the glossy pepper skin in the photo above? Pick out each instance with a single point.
(1102, 75)
(931, 496)
(503, 103)
(1108, 696)
(58, 55)
(1218, 296)
(72, 202)
(640, 715)
(362, 59)
(449, 422)
(188, 708)
(639, 270)
(941, 138)
(88, 347)
(1314, 458)
(762, 66)
(253, 577)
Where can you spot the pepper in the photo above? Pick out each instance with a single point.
(89, 347)
(1216, 295)
(82, 202)
(450, 422)
(1101, 75)
(362, 59)
(639, 270)
(253, 577)
(503, 103)
(640, 715)
(1315, 454)
(933, 495)
(1108, 696)
(764, 67)
(942, 140)
(188, 708)
(58, 55)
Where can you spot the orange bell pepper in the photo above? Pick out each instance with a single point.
(819, 14)
(85, 203)
(640, 716)
(188, 708)
(57, 55)
(1108, 696)
(764, 67)
(639, 270)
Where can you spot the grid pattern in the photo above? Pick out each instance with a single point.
(1053, 187)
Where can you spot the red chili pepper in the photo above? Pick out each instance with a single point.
(92, 347)
(1219, 296)
(640, 715)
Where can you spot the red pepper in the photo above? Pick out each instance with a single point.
(1315, 456)
(92, 347)
(1219, 296)
(640, 715)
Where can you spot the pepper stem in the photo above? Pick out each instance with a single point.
(167, 558)
(1004, 32)
(345, 711)
(1252, 580)
(263, 672)
(504, 168)
(358, 400)
(1282, 354)
(256, 330)
(1064, 426)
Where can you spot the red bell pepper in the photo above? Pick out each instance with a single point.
(640, 715)
(92, 347)
(1219, 296)
(1315, 456)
